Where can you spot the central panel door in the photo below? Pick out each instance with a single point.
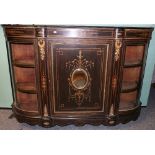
(79, 75)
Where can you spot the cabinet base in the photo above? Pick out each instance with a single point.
(81, 121)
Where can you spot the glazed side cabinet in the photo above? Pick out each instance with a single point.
(76, 74)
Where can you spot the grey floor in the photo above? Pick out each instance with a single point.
(146, 121)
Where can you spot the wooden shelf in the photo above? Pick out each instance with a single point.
(128, 86)
(127, 105)
(24, 63)
(26, 88)
(133, 64)
(31, 107)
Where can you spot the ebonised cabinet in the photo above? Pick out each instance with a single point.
(76, 74)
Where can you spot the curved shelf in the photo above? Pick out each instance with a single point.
(27, 106)
(24, 63)
(125, 106)
(26, 87)
(133, 64)
(129, 86)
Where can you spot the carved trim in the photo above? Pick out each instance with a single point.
(114, 82)
(43, 82)
(45, 111)
(40, 32)
(111, 113)
(41, 44)
(118, 45)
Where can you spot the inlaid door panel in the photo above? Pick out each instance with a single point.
(79, 76)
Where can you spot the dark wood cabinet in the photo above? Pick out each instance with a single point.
(76, 75)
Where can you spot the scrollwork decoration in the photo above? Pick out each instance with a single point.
(41, 44)
(118, 45)
(114, 82)
(80, 62)
(79, 66)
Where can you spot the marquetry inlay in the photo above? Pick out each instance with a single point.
(118, 44)
(41, 44)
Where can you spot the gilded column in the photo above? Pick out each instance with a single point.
(116, 70)
(40, 32)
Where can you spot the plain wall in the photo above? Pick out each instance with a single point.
(148, 71)
(5, 84)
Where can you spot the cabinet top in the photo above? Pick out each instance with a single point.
(72, 31)
(75, 26)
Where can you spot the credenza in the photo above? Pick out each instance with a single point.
(76, 74)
